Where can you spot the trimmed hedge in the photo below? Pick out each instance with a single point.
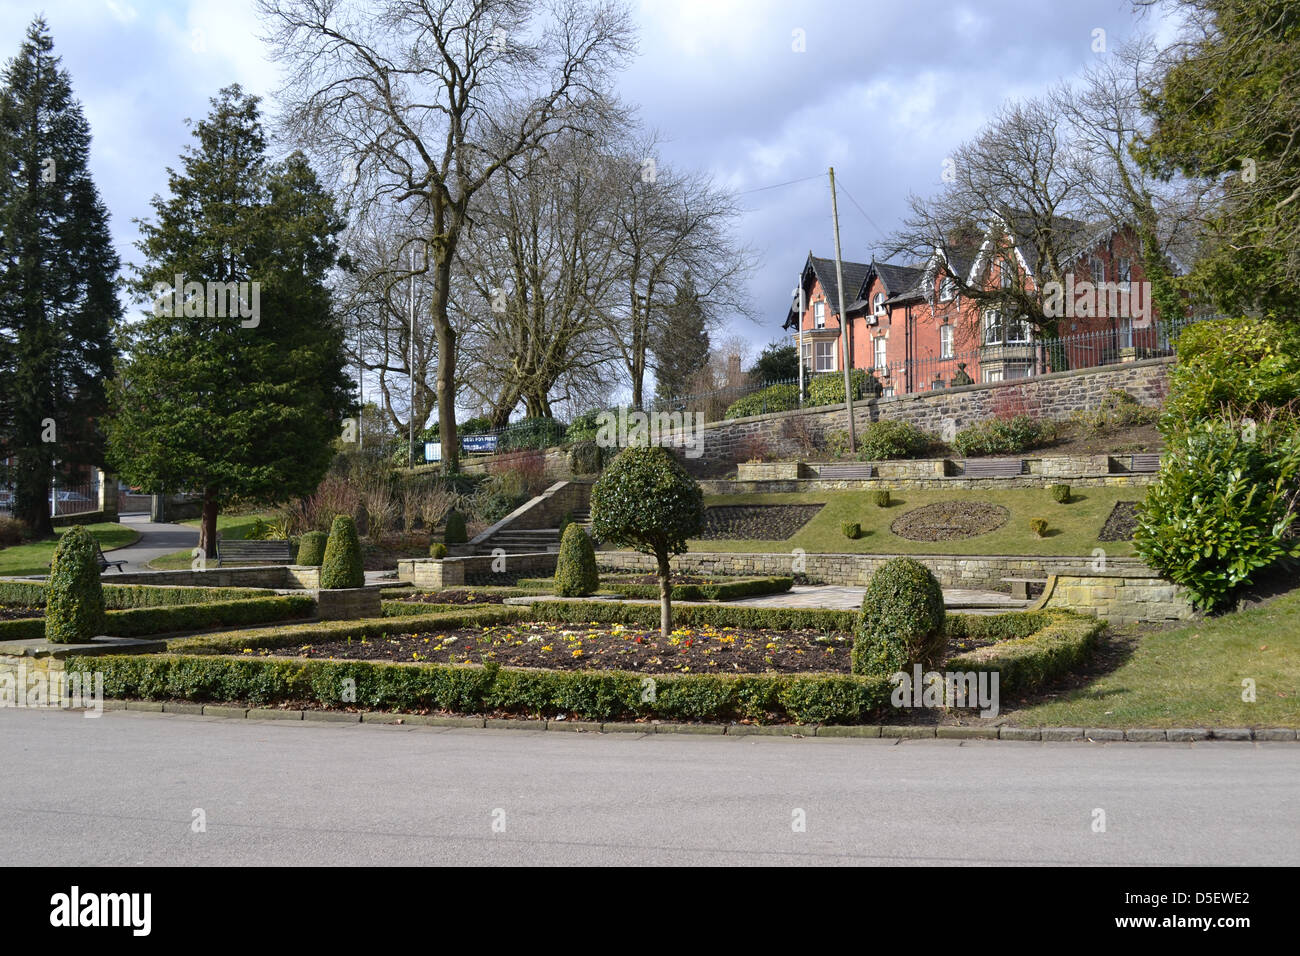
(74, 611)
(718, 591)
(118, 597)
(774, 398)
(454, 529)
(694, 615)
(342, 566)
(902, 620)
(1056, 648)
(852, 529)
(143, 621)
(575, 566)
(311, 549)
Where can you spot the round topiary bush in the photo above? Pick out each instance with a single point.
(74, 611)
(1061, 494)
(437, 550)
(585, 458)
(902, 620)
(575, 568)
(341, 566)
(311, 549)
(1038, 526)
(454, 533)
(881, 497)
(852, 529)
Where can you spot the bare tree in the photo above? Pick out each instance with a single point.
(420, 103)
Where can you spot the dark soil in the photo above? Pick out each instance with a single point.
(1121, 522)
(950, 520)
(20, 613)
(455, 596)
(755, 522)
(591, 647)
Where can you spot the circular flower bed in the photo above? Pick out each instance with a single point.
(950, 520)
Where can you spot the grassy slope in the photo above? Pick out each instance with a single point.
(1073, 528)
(1191, 677)
(231, 527)
(35, 557)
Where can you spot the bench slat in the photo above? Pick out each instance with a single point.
(992, 467)
(845, 471)
(278, 551)
(1146, 462)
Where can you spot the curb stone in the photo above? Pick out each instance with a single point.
(272, 713)
(689, 728)
(771, 730)
(150, 705)
(577, 726)
(907, 733)
(210, 710)
(1146, 734)
(849, 730)
(626, 728)
(1231, 733)
(1100, 734)
(966, 733)
(515, 723)
(1019, 733)
(1181, 734)
(331, 716)
(173, 707)
(1061, 733)
(1275, 733)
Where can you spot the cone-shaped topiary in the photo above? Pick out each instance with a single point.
(311, 549)
(74, 611)
(341, 567)
(902, 620)
(455, 530)
(575, 568)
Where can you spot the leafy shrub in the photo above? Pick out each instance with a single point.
(74, 609)
(1061, 494)
(575, 566)
(996, 437)
(12, 532)
(583, 428)
(311, 549)
(828, 389)
(120, 596)
(774, 398)
(1222, 508)
(586, 458)
(880, 496)
(454, 532)
(1118, 409)
(531, 433)
(852, 529)
(1038, 526)
(341, 566)
(890, 439)
(711, 591)
(437, 550)
(902, 620)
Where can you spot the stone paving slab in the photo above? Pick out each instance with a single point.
(832, 597)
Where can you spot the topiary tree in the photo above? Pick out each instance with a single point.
(647, 501)
(74, 611)
(575, 569)
(902, 620)
(454, 532)
(311, 549)
(341, 566)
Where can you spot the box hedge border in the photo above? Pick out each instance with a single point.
(144, 621)
(120, 597)
(726, 590)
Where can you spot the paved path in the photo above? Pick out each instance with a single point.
(831, 597)
(155, 541)
(122, 789)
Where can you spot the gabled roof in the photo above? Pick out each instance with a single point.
(901, 282)
(823, 270)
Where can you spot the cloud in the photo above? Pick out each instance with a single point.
(122, 12)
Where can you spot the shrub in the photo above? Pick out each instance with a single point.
(881, 497)
(888, 439)
(1061, 494)
(531, 433)
(341, 566)
(437, 550)
(828, 389)
(454, 532)
(1038, 526)
(311, 549)
(902, 620)
(120, 596)
(774, 398)
(852, 529)
(1222, 508)
(996, 437)
(12, 531)
(586, 458)
(74, 610)
(583, 428)
(575, 567)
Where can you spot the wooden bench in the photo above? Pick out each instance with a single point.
(274, 552)
(105, 563)
(1145, 463)
(992, 467)
(1020, 586)
(846, 470)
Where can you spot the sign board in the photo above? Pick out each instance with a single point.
(479, 443)
(433, 451)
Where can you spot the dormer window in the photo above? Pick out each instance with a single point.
(878, 303)
(947, 290)
(819, 315)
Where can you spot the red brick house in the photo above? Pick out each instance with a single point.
(909, 325)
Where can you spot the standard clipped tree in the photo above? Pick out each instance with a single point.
(74, 610)
(58, 304)
(902, 620)
(576, 574)
(236, 384)
(342, 566)
(647, 501)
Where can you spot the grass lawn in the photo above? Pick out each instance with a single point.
(35, 557)
(1072, 528)
(1191, 677)
(231, 527)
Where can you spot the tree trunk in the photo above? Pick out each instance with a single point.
(446, 336)
(208, 526)
(32, 492)
(665, 595)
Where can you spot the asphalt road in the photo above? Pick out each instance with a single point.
(124, 789)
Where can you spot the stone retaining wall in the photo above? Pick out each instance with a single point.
(1121, 598)
(348, 603)
(734, 487)
(430, 574)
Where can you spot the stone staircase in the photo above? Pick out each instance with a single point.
(530, 540)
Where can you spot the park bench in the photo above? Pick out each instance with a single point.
(992, 467)
(105, 563)
(278, 551)
(1020, 586)
(1145, 463)
(846, 470)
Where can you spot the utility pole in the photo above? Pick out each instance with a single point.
(361, 392)
(802, 308)
(844, 319)
(410, 415)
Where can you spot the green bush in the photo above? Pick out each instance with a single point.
(712, 591)
(1058, 644)
(531, 433)
(120, 596)
(583, 428)
(1038, 526)
(890, 439)
(586, 458)
(828, 389)
(575, 566)
(999, 437)
(342, 567)
(1061, 494)
(1222, 508)
(774, 398)
(454, 530)
(1118, 409)
(902, 620)
(141, 622)
(437, 550)
(74, 609)
(311, 549)
(695, 615)
(880, 497)
(852, 529)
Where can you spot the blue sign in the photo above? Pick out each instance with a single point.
(479, 443)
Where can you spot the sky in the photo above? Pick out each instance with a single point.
(756, 92)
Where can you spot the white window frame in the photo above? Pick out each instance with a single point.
(945, 341)
(1123, 272)
(819, 314)
(880, 351)
(1020, 328)
(825, 349)
(993, 320)
(947, 290)
(992, 375)
(1096, 269)
(807, 357)
(878, 304)
(1126, 332)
